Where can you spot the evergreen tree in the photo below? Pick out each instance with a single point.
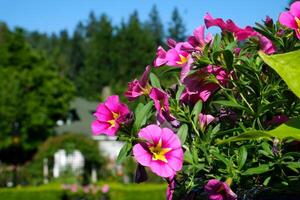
(133, 50)
(155, 25)
(176, 27)
(32, 94)
(77, 52)
(97, 71)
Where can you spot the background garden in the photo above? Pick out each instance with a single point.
(49, 84)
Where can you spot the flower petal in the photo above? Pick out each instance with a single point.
(295, 9)
(162, 169)
(141, 155)
(287, 19)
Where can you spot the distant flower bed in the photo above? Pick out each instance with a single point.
(218, 116)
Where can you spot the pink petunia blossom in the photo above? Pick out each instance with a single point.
(161, 103)
(204, 120)
(109, 116)
(218, 190)
(140, 87)
(291, 18)
(199, 40)
(266, 45)
(161, 151)
(175, 57)
(199, 88)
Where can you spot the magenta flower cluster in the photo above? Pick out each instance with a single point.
(157, 145)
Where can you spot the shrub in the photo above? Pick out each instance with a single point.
(69, 142)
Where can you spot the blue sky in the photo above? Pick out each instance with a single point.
(54, 15)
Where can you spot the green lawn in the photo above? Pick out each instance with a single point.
(117, 192)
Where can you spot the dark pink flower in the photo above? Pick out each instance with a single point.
(278, 119)
(266, 45)
(291, 18)
(109, 116)
(218, 190)
(140, 87)
(161, 151)
(161, 103)
(204, 120)
(198, 87)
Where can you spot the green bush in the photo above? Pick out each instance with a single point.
(117, 192)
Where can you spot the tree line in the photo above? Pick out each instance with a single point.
(41, 73)
(99, 54)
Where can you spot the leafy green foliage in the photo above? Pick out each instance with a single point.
(33, 94)
(287, 66)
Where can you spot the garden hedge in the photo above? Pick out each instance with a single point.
(117, 192)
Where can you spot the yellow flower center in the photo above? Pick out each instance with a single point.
(113, 121)
(147, 89)
(298, 23)
(158, 153)
(183, 60)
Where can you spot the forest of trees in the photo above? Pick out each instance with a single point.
(98, 54)
(41, 73)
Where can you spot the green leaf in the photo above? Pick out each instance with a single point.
(182, 133)
(179, 92)
(290, 129)
(141, 113)
(229, 104)
(154, 80)
(250, 135)
(196, 111)
(242, 157)
(287, 66)
(124, 153)
(266, 181)
(257, 170)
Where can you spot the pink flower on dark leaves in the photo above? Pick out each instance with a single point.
(278, 119)
(109, 116)
(161, 151)
(266, 45)
(204, 120)
(291, 18)
(198, 87)
(218, 190)
(140, 87)
(161, 103)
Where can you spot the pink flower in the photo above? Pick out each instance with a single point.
(105, 189)
(175, 57)
(198, 40)
(291, 18)
(161, 103)
(218, 190)
(74, 188)
(204, 120)
(140, 87)
(86, 189)
(110, 115)
(170, 188)
(266, 45)
(161, 151)
(199, 88)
